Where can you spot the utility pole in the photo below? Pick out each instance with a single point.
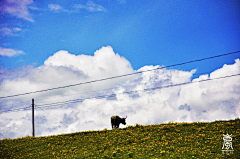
(33, 127)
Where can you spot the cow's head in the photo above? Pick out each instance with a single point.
(124, 120)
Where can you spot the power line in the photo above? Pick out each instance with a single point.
(16, 110)
(103, 89)
(11, 120)
(121, 75)
(79, 100)
(130, 92)
(202, 73)
(109, 96)
(26, 109)
(106, 96)
(15, 103)
(54, 118)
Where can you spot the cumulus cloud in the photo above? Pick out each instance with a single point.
(10, 52)
(134, 96)
(104, 63)
(91, 6)
(17, 8)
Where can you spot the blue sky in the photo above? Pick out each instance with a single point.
(54, 43)
(144, 32)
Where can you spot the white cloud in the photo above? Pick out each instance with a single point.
(17, 8)
(200, 101)
(104, 63)
(55, 7)
(5, 31)
(10, 52)
(16, 29)
(91, 6)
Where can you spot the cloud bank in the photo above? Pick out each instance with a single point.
(200, 101)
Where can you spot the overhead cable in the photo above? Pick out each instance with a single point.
(11, 120)
(110, 95)
(16, 109)
(129, 92)
(110, 88)
(53, 117)
(121, 75)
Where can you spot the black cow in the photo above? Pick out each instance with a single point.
(116, 120)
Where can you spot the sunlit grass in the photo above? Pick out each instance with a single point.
(171, 140)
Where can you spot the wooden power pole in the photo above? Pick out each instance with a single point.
(33, 127)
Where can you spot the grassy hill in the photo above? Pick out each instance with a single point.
(172, 140)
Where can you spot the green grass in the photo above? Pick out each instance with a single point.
(172, 140)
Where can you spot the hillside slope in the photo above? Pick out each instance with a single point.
(172, 140)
